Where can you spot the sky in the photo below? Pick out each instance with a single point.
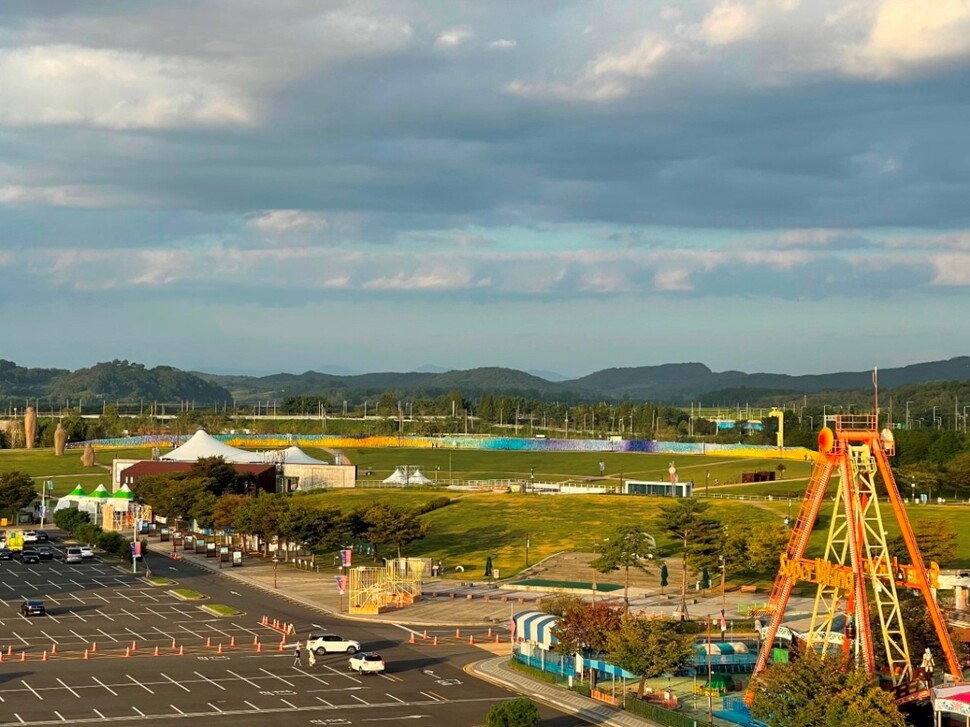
(567, 186)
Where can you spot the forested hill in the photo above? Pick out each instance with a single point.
(669, 383)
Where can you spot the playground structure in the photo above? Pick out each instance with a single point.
(857, 575)
(375, 590)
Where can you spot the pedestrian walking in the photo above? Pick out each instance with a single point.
(297, 661)
(311, 657)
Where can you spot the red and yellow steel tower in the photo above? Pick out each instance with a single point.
(857, 575)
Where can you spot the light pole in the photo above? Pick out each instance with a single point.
(912, 486)
(528, 542)
(707, 484)
(934, 415)
(788, 520)
(436, 470)
(907, 414)
(276, 565)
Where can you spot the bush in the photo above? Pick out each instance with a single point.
(68, 520)
(435, 504)
(518, 712)
(87, 533)
(114, 543)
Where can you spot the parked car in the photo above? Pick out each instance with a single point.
(30, 536)
(45, 552)
(87, 552)
(322, 644)
(29, 556)
(72, 555)
(33, 607)
(42, 536)
(6, 553)
(367, 662)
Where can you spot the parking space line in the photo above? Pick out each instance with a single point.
(32, 689)
(190, 631)
(52, 639)
(135, 681)
(178, 684)
(53, 600)
(53, 618)
(76, 615)
(214, 706)
(340, 673)
(390, 677)
(324, 701)
(107, 634)
(213, 683)
(394, 698)
(314, 676)
(252, 705)
(430, 696)
(134, 633)
(100, 613)
(142, 714)
(123, 595)
(125, 610)
(18, 717)
(288, 704)
(243, 628)
(113, 692)
(245, 679)
(98, 713)
(60, 715)
(26, 643)
(64, 684)
(107, 602)
(277, 676)
(362, 701)
(180, 711)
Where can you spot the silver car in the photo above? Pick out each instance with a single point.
(72, 555)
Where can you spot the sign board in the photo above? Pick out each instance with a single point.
(164, 535)
(210, 550)
(236, 558)
(223, 553)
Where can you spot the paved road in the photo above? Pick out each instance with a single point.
(220, 669)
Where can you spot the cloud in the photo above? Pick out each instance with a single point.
(453, 37)
(70, 84)
(502, 44)
(283, 221)
(728, 23)
(911, 34)
(55, 196)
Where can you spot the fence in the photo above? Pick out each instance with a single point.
(659, 714)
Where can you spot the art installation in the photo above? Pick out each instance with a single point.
(87, 459)
(60, 439)
(30, 427)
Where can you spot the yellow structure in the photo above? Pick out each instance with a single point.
(779, 414)
(375, 590)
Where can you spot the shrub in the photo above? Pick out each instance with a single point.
(518, 712)
(435, 504)
(114, 543)
(68, 520)
(87, 533)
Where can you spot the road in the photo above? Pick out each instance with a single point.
(93, 657)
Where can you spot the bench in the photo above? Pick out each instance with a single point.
(749, 589)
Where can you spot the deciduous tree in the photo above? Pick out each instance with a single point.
(394, 526)
(649, 647)
(16, 490)
(584, 628)
(629, 547)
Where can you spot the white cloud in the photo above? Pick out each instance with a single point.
(910, 34)
(453, 37)
(951, 269)
(672, 280)
(54, 196)
(283, 221)
(728, 23)
(69, 84)
(502, 44)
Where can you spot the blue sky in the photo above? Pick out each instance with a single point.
(771, 185)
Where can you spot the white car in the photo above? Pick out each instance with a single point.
(367, 661)
(321, 644)
(72, 555)
(30, 536)
(87, 552)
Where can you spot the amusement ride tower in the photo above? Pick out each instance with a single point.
(857, 577)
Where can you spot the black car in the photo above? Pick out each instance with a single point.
(33, 607)
(45, 552)
(29, 556)
(6, 554)
(42, 536)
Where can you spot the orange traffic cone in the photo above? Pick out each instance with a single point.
(1, 657)
(255, 640)
(259, 648)
(23, 656)
(86, 654)
(471, 640)
(182, 650)
(435, 642)
(156, 651)
(44, 658)
(489, 632)
(94, 647)
(53, 649)
(208, 641)
(425, 635)
(282, 643)
(457, 633)
(232, 641)
(411, 638)
(127, 651)
(219, 651)
(134, 646)
(9, 650)
(173, 643)
(498, 639)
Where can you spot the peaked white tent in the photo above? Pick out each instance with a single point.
(417, 478)
(295, 455)
(202, 444)
(398, 478)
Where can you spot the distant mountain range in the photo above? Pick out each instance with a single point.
(670, 383)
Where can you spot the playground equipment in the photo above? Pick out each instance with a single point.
(857, 574)
(374, 590)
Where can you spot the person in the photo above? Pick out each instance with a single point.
(297, 661)
(311, 657)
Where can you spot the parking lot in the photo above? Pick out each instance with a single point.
(115, 647)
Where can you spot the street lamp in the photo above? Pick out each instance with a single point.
(437, 468)
(934, 415)
(788, 519)
(907, 414)
(913, 488)
(276, 565)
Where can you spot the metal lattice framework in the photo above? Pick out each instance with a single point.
(857, 575)
(374, 590)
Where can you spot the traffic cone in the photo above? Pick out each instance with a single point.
(86, 657)
(425, 635)
(498, 639)
(255, 640)
(127, 651)
(94, 647)
(44, 658)
(471, 640)
(265, 620)
(208, 641)
(134, 647)
(232, 641)
(489, 632)
(259, 648)
(53, 649)
(435, 642)
(182, 650)
(173, 643)
(411, 638)
(219, 650)
(457, 633)
(1, 657)
(9, 650)
(23, 656)
(156, 651)
(282, 643)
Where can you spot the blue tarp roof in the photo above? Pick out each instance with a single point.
(536, 626)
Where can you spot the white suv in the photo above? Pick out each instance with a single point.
(367, 662)
(321, 644)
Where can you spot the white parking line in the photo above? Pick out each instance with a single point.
(288, 704)
(178, 684)
(59, 715)
(324, 701)
(340, 673)
(215, 684)
(245, 679)
(103, 598)
(32, 689)
(314, 676)
(135, 681)
(98, 713)
(53, 600)
(252, 705)
(76, 615)
(63, 684)
(431, 697)
(190, 631)
(26, 643)
(214, 706)
(18, 717)
(277, 676)
(134, 633)
(107, 634)
(394, 698)
(124, 596)
(139, 711)
(113, 692)
(52, 639)
(125, 610)
(180, 711)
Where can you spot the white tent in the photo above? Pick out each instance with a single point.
(398, 478)
(295, 455)
(203, 445)
(417, 478)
